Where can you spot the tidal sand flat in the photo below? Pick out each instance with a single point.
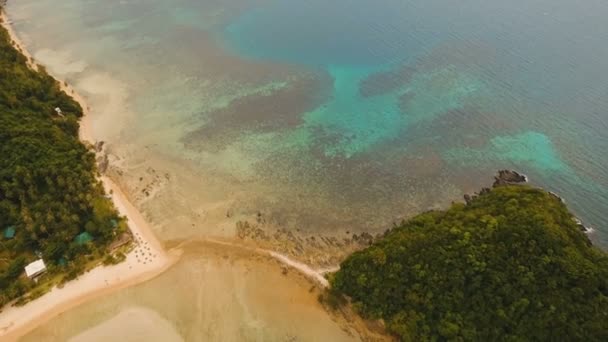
(214, 293)
(145, 325)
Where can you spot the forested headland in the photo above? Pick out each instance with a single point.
(52, 206)
(512, 264)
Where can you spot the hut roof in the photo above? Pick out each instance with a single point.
(35, 268)
(9, 232)
(83, 238)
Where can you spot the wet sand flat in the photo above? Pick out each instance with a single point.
(214, 293)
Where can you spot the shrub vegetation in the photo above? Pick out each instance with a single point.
(49, 193)
(510, 265)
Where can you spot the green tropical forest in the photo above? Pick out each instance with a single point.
(511, 265)
(51, 204)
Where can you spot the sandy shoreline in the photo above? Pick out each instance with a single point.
(17, 321)
(147, 260)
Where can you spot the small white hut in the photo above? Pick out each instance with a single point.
(35, 269)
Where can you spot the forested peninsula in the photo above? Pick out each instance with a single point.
(54, 214)
(511, 264)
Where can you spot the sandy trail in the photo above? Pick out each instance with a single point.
(315, 275)
(301, 267)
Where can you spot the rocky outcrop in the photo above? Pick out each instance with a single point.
(581, 226)
(504, 177)
(323, 250)
(99, 146)
(557, 196)
(102, 163)
(102, 159)
(509, 177)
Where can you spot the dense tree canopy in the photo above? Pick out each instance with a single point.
(49, 193)
(510, 265)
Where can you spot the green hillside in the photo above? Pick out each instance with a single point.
(511, 265)
(49, 194)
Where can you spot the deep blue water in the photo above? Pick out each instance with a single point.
(533, 73)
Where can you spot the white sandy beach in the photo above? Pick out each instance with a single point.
(145, 261)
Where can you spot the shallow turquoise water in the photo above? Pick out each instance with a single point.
(526, 63)
(529, 148)
(353, 113)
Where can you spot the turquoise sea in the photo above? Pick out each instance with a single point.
(347, 114)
